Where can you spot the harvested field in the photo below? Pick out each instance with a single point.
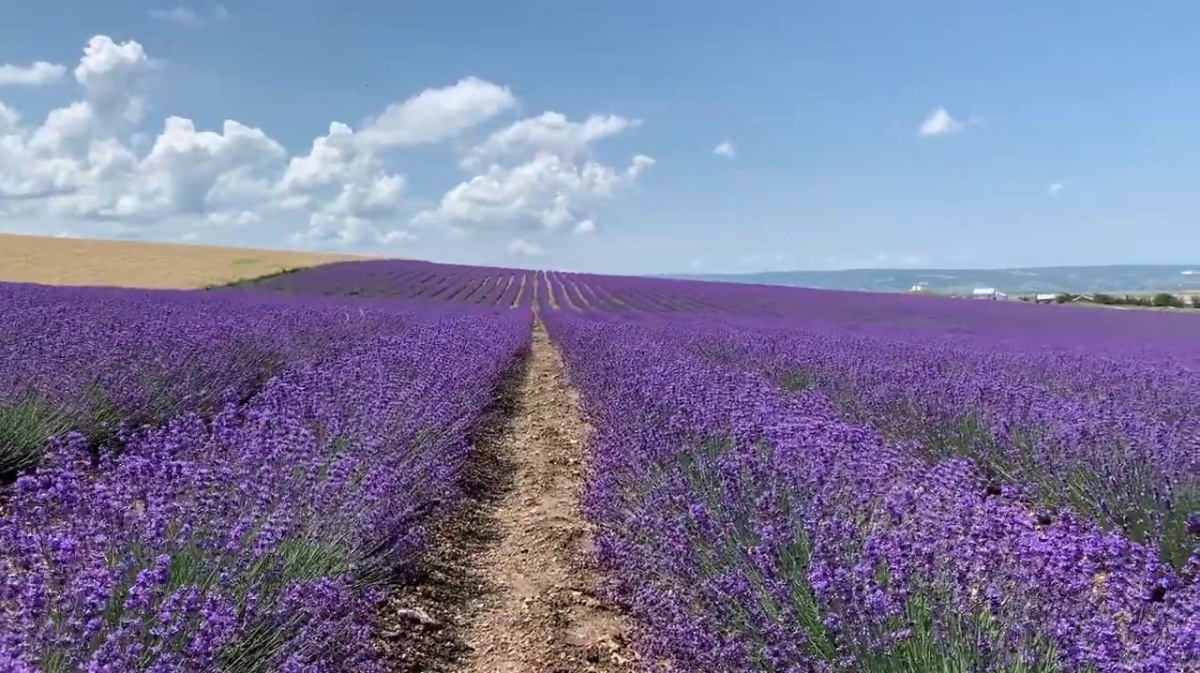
(70, 261)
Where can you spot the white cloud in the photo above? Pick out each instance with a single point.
(519, 247)
(38, 72)
(93, 165)
(9, 119)
(435, 115)
(328, 229)
(548, 190)
(189, 18)
(197, 172)
(550, 132)
(344, 184)
(112, 76)
(1054, 189)
(725, 149)
(554, 182)
(939, 123)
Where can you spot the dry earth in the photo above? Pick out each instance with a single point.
(509, 586)
(68, 261)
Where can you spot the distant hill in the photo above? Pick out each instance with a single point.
(1123, 278)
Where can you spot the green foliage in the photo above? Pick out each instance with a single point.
(1160, 300)
(944, 640)
(245, 282)
(25, 426)
(1166, 299)
(935, 636)
(795, 381)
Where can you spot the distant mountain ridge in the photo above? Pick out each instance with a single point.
(1083, 279)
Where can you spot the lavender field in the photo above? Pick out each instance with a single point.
(774, 479)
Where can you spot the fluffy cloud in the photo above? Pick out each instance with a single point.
(549, 190)
(1055, 189)
(9, 118)
(939, 122)
(344, 183)
(519, 247)
(38, 72)
(553, 182)
(550, 132)
(93, 161)
(725, 149)
(189, 18)
(327, 229)
(198, 172)
(435, 115)
(112, 76)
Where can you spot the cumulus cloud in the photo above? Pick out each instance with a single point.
(1055, 189)
(93, 161)
(538, 171)
(328, 229)
(199, 172)
(548, 190)
(9, 118)
(85, 162)
(549, 132)
(112, 76)
(725, 149)
(519, 247)
(38, 72)
(939, 122)
(190, 18)
(435, 115)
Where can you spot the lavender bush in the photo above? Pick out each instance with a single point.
(258, 541)
(1099, 430)
(756, 530)
(101, 360)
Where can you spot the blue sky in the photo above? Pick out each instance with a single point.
(822, 107)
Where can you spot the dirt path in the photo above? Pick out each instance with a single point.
(509, 588)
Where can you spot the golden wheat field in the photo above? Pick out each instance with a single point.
(70, 261)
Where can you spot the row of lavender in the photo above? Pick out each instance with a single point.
(1111, 436)
(1095, 410)
(1141, 334)
(754, 529)
(100, 360)
(258, 539)
(409, 279)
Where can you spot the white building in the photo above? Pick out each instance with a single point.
(1045, 298)
(984, 293)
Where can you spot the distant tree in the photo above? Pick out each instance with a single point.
(1196, 301)
(1063, 298)
(1106, 299)
(1166, 299)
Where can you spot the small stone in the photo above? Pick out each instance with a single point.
(417, 615)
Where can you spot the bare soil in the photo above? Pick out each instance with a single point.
(509, 586)
(69, 261)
